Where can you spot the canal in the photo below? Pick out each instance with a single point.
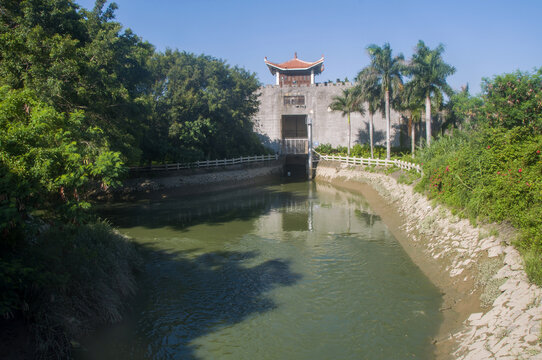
(288, 271)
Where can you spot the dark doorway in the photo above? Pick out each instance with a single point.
(294, 127)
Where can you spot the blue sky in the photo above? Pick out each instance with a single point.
(482, 37)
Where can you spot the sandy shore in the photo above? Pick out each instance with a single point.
(490, 309)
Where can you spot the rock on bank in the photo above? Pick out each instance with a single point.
(491, 310)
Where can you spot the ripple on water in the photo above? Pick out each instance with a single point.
(287, 272)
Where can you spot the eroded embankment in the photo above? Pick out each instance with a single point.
(490, 309)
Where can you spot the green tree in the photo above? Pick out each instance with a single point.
(389, 70)
(79, 60)
(462, 108)
(429, 73)
(114, 81)
(347, 103)
(369, 90)
(202, 108)
(410, 103)
(512, 100)
(49, 161)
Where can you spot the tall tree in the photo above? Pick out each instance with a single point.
(347, 103)
(74, 59)
(462, 108)
(48, 160)
(389, 70)
(202, 108)
(429, 73)
(411, 104)
(369, 90)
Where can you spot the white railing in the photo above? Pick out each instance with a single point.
(295, 146)
(206, 163)
(351, 160)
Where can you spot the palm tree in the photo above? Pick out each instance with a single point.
(347, 103)
(411, 104)
(429, 73)
(369, 91)
(389, 70)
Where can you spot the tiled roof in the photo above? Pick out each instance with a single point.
(296, 64)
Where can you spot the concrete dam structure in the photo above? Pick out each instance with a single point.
(296, 99)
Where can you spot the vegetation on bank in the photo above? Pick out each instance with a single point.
(150, 106)
(492, 169)
(81, 98)
(65, 281)
(488, 164)
(362, 150)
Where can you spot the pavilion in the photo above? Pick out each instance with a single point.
(295, 71)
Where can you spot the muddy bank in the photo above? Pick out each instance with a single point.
(195, 181)
(490, 309)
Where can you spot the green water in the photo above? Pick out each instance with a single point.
(292, 271)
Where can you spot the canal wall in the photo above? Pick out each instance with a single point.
(197, 181)
(490, 309)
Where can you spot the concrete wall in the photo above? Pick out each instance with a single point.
(194, 181)
(328, 126)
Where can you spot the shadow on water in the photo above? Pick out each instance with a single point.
(192, 295)
(237, 284)
(213, 209)
(187, 294)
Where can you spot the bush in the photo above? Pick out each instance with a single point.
(512, 100)
(324, 149)
(491, 174)
(66, 281)
(359, 150)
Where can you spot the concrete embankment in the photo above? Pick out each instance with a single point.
(490, 309)
(198, 181)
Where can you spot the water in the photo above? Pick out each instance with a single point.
(293, 271)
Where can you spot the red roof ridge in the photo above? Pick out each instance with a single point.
(294, 64)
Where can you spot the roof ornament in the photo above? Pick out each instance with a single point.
(296, 65)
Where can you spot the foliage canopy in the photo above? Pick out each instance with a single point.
(80, 97)
(492, 170)
(512, 100)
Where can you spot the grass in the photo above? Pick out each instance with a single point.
(531, 258)
(74, 278)
(493, 232)
(485, 280)
(408, 177)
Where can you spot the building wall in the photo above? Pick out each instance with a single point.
(328, 126)
(302, 79)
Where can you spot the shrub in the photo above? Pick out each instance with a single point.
(359, 150)
(68, 280)
(342, 150)
(324, 149)
(492, 174)
(512, 100)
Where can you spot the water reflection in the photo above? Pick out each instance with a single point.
(296, 271)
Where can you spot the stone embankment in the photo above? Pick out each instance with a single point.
(493, 310)
(198, 181)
